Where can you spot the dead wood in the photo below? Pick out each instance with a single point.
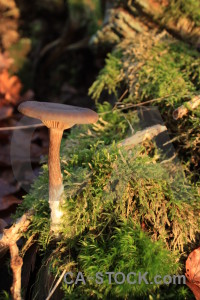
(186, 107)
(182, 27)
(8, 239)
(140, 136)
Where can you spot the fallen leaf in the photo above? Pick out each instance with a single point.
(7, 201)
(195, 289)
(193, 267)
(10, 87)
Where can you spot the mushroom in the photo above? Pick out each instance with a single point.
(57, 117)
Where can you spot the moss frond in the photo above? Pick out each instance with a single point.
(109, 77)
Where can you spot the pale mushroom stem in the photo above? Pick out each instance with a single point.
(55, 177)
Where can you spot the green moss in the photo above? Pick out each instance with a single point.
(172, 76)
(167, 73)
(126, 249)
(181, 8)
(171, 70)
(110, 195)
(109, 77)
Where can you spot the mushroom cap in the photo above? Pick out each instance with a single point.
(56, 115)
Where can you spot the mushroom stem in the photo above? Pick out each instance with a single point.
(55, 177)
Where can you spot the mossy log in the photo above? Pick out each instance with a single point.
(179, 25)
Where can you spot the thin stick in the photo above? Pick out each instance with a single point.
(20, 127)
(120, 99)
(56, 285)
(8, 239)
(16, 266)
(130, 105)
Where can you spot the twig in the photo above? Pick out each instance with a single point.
(171, 141)
(145, 102)
(130, 105)
(14, 233)
(56, 285)
(16, 266)
(120, 99)
(8, 239)
(184, 109)
(140, 136)
(21, 127)
(168, 160)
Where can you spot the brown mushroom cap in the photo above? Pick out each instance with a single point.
(58, 115)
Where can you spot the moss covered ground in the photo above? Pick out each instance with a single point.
(124, 210)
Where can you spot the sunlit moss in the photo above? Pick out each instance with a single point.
(117, 202)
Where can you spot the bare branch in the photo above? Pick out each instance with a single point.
(16, 266)
(13, 234)
(9, 240)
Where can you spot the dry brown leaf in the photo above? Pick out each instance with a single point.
(193, 267)
(10, 87)
(195, 289)
(7, 201)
